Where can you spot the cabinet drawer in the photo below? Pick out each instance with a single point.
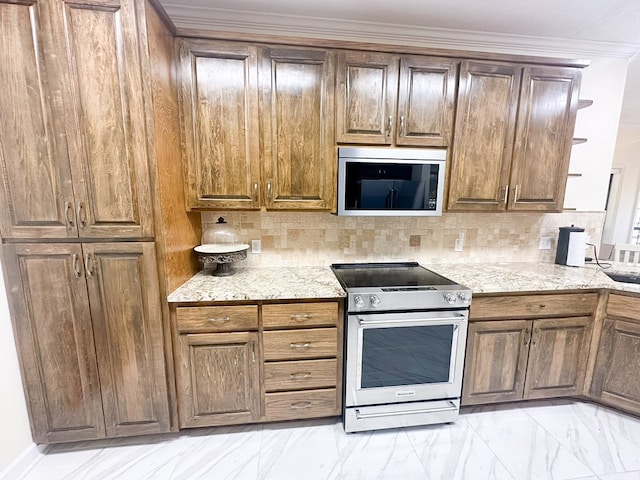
(294, 315)
(292, 344)
(533, 305)
(298, 375)
(306, 404)
(217, 319)
(623, 306)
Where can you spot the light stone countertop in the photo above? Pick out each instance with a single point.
(534, 277)
(260, 283)
(284, 283)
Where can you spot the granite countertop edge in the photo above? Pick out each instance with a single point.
(297, 283)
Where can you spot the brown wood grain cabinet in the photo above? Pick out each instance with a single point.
(72, 132)
(252, 363)
(615, 380)
(513, 136)
(388, 99)
(512, 355)
(257, 125)
(88, 330)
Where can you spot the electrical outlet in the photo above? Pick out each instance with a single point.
(545, 243)
(256, 246)
(459, 242)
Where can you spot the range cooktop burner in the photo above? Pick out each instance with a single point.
(387, 275)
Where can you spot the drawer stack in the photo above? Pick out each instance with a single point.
(300, 343)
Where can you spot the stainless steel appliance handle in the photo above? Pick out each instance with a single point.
(421, 321)
(360, 416)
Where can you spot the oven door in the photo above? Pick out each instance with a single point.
(404, 357)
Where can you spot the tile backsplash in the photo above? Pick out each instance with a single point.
(319, 238)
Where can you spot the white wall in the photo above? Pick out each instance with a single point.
(15, 435)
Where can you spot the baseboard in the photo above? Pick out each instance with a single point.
(21, 463)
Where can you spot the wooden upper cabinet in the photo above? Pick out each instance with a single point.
(367, 90)
(389, 99)
(35, 178)
(544, 135)
(218, 94)
(106, 124)
(51, 317)
(513, 135)
(127, 322)
(297, 123)
(484, 134)
(426, 101)
(72, 132)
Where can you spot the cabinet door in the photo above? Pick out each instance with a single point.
(615, 379)
(52, 325)
(367, 88)
(297, 97)
(496, 361)
(558, 357)
(218, 379)
(219, 120)
(127, 322)
(426, 100)
(106, 119)
(484, 133)
(544, 135)
(35, 178)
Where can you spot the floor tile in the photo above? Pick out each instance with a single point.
(622, 476)
(588, 437)
(455, 452)
(523, 446)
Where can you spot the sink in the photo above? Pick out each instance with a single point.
(624, 277)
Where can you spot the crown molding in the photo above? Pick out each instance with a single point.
(190, 18)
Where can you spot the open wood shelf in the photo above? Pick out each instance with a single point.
(577, 141)
(584, 103)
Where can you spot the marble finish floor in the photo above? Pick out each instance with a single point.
(558, 440)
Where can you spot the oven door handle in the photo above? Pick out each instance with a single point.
(360, 416)
(417, 322)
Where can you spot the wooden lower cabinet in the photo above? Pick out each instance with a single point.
(616, 381)
(508, 360)
(88, 329)
(218, 378)
(285, 365)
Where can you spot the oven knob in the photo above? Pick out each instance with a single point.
(464, 297)
(359, 302)
(450, 298)
(375, 300)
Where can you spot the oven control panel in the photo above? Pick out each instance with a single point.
(407, 300)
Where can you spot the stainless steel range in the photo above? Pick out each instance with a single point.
(406, 330)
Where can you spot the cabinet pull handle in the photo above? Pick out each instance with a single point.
(390, 119)
(527, 336)
(253, 352)
(219, 319)
(300, 375)
(515, 194)
(87, 264)
(255, 192)
(74, 264)
(506, 194)
(533, 336)
(300, 345)
(300, 316)
(82, 220)
(403, 130)
(269, 190)
(67, 211)
(300, 405)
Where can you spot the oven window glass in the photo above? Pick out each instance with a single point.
(406, 355)
(390, 186)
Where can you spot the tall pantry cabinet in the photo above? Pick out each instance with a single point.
(80, 250)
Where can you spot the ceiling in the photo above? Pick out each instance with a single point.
(578, 27)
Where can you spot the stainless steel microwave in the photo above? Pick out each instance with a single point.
(378, 181)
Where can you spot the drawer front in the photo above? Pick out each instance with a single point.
(296, 315)
(301, 374)
(300, 344)
(217, 319)
(623, 306)
(522, 306)
(306, 404)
